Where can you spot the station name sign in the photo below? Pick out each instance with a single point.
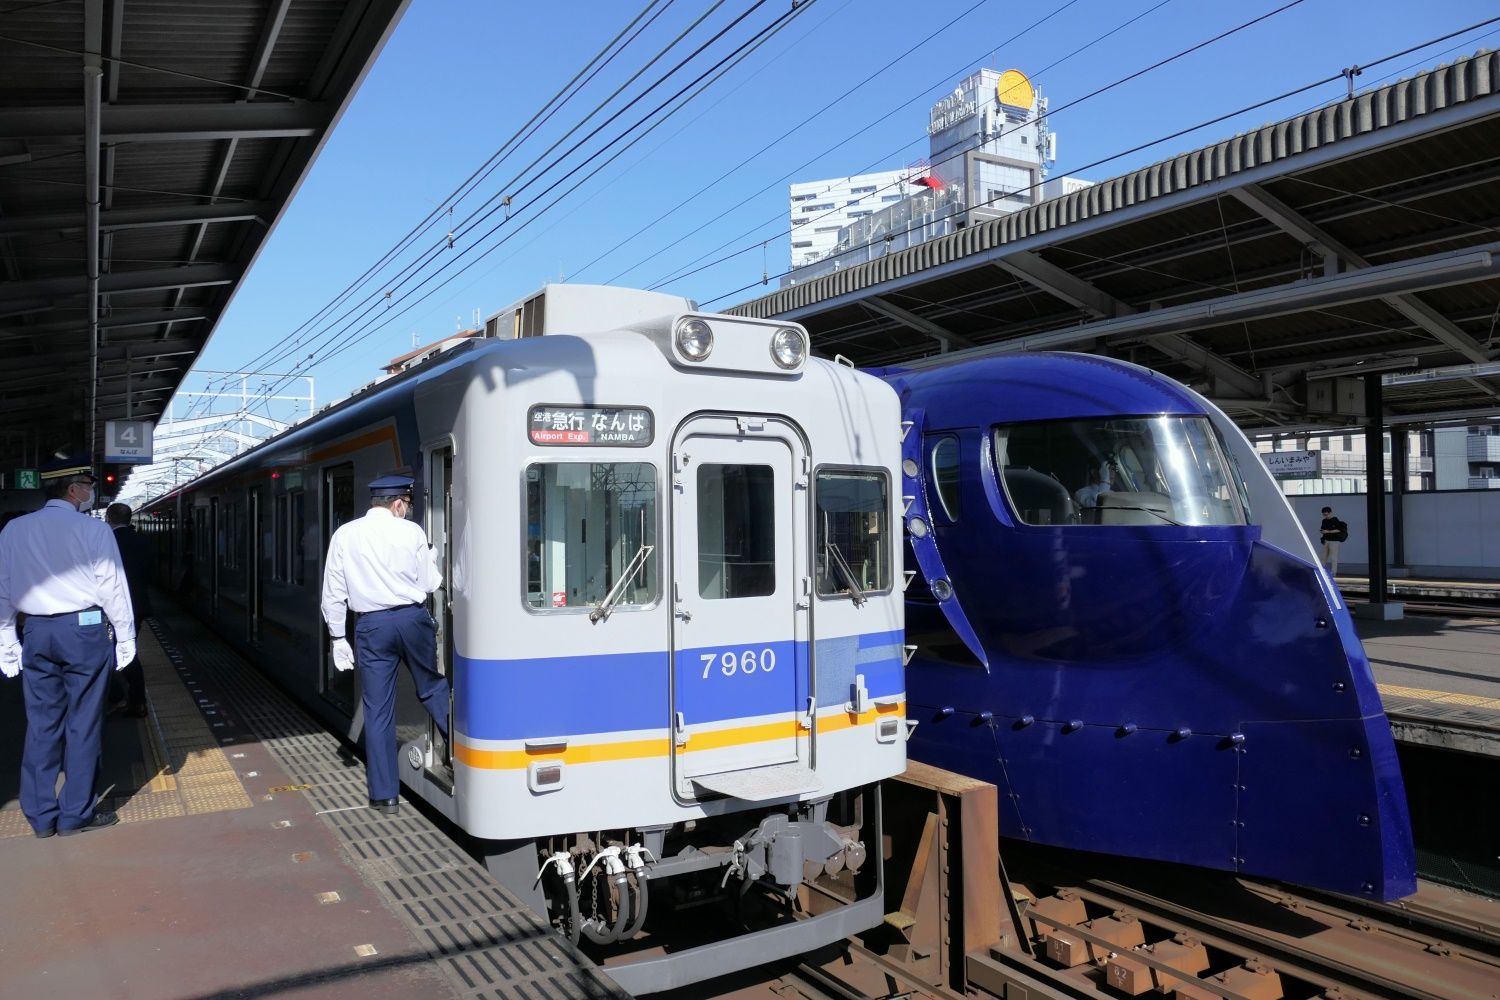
(621, 426)
(1293, 464)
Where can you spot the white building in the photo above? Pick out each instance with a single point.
(819, 209)
(988, 146)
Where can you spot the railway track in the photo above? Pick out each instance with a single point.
(1063, 931)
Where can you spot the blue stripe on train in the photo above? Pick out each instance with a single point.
(542, 697)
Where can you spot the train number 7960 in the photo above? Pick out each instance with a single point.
(744, 661)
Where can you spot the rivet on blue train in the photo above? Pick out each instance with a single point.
(1116, 549)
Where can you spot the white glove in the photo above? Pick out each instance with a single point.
(343, 654)
(124, 653)
(10, 658)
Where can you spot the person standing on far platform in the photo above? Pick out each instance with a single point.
(1334, 533)
(138, 558)
(63, 572)
(381, 567)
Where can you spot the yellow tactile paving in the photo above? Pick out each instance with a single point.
(1438, 697)
(185, 772)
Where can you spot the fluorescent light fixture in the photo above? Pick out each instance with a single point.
(1364, 368)
(1449, 374)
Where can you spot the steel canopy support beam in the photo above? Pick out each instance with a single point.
(942, 335)
(170, 122)
(149, 280)
(1226, 372)
(1454, 267)
(1294, 224)
(137, 218)
(1060, 284)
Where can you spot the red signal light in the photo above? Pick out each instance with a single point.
(109, 477)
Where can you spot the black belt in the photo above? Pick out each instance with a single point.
(67, 614)
(381, 611)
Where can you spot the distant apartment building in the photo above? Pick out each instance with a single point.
(821, 209)
(988, 147)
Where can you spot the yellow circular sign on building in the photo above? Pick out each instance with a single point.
(1014, 90)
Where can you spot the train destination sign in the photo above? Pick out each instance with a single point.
(625, 426)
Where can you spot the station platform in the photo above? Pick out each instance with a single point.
(247, 864)
(1478, 594)
(1439, 679)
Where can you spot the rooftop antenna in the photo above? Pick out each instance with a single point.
(414, 340)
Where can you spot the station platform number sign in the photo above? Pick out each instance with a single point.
(128, 441)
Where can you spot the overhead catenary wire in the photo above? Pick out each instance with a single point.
(591, 67)
(1182, 53)
(682, 270)
(736, 55)
(490, 206)
(1146, 145)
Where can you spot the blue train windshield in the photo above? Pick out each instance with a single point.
(1119, 470)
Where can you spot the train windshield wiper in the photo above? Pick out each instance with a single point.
(856, 592)
(1148, 510)
(636, 564)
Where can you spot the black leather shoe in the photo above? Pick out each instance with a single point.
(388, 806)
(135, 711)
(44, 832)
(99, 822)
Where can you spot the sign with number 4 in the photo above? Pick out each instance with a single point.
(128, 441)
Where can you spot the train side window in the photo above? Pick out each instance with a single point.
(591, 534)
(944, 465)
(301, 547)
(280, 530)
(853, 511)
(736, 531)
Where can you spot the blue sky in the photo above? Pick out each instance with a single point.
(458, 77)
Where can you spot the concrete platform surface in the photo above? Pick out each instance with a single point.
(247, 865)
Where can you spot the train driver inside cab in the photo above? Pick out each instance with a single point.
(381, 567)
(1098, 484)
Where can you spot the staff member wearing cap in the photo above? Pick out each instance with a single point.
(63, 571)
(382, 568)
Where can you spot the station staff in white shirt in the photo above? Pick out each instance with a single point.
(382, 568)
(63, 572)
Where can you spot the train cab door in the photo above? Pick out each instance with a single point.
(439, 532)
(338, 508)
(741, 704)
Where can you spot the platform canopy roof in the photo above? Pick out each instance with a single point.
(147, 149)
(1363, 236)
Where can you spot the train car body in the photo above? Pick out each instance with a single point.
(1120, 623)
(670, 610)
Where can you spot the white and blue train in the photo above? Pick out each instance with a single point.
(671, 612)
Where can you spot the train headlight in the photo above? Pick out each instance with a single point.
(694, 339)
(788, 347)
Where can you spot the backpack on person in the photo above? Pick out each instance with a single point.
(1340, 531)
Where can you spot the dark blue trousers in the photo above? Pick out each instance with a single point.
(381, 640)
(64, 679)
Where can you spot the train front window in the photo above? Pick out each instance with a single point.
(736, 531)
(591, 535)
(1161, 470)
(853, 532)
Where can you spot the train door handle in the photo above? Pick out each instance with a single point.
(684, 614)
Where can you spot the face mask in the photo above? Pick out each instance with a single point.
(88, 502)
